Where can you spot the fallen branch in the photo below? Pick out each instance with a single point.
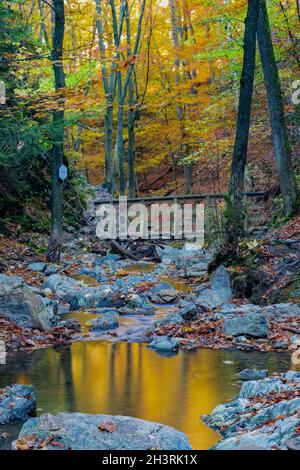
(123, 251)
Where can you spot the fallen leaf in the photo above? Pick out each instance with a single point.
(21, 444)
(108, 426)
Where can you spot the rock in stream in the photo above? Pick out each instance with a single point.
(17, 403)
(264, 415)
(79, 431)
(19, 304)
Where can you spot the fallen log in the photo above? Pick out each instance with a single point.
(128, 254)
(123, 251)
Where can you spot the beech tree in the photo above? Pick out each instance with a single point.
(235, 211)
(55, 242)
(288, 185)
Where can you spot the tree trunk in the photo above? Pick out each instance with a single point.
(131, 142)
(120, 140)
(55, 242)
(108, 138)
(235, 210)
(109, 96)
(298, 8)
(179, 107)
(43, 28)
(287, 180)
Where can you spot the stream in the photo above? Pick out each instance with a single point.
(130, 379)
(117, 374)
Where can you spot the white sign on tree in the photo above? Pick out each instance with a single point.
(63, 172)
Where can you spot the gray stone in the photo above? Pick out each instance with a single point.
(280, 344)
(51, 269)
(246, 309)
(19, 304)
(252, 374)
(71, 324)
(168, 254)
(16, 280)
(140, 305)
(136, 311)
(167, 295)
(251, 325)
(293, 443)
(189, 312)
(219, 291)
(241, 339)
(295, 339)
(78, 431)
(250, 423)
(38, 266)
(259, 388)
(47, 302)
(64, 287)
(168, 320)
(165, 343)
(106, 321)
(287, 310)
(221, 281)
(17, 403)
(99, 296)
(228, 308)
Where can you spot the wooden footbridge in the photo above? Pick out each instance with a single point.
(214, 205)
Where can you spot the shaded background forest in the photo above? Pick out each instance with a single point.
(182, 94)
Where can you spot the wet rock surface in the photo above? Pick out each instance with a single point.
(170, 305)
(264, 415)
(108, 320)
(17, 403)
(19, 304)
(218, 292)
(164, 343)
(204, 313)
(252, 374)
(253, 325)
(78, 431)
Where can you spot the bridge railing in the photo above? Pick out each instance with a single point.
(172, 197)
(215, 205)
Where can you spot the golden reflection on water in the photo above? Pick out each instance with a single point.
(130, 379)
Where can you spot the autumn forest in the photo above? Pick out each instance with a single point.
(170, 105)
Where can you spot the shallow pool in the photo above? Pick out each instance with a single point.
(130, 379)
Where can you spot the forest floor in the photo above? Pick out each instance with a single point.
(166, 299)
(191, 309)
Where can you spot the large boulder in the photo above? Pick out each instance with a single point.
(248, 422)
(19, 304)
(99, 297)
(79, 431)
(253, 325)
(17, 403)
(281, 311)
(64, 287)
(218, 292)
